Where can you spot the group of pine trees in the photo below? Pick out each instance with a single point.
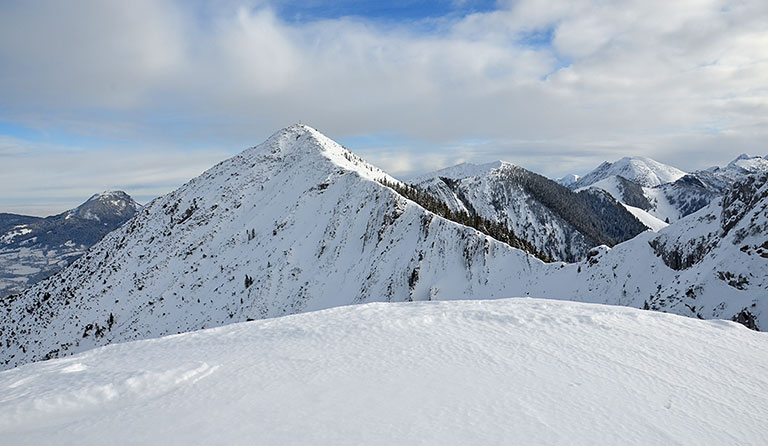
(497, 230)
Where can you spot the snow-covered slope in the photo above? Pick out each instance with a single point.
(653, 223)
(638, 169)
(710, 264)
(33, 248)
(667, 202)
(299, 223)
(554, 220)
(511, 371)
(296, 224)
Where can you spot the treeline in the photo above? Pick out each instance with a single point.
(593, 213)
(493, 229)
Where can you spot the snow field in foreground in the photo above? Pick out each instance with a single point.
(511, 371)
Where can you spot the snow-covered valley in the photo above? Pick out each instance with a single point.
(510, 371)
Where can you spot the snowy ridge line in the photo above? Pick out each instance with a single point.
(555, 221)
(638, 169)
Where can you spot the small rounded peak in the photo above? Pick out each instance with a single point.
(568, 180)
(741, 157)
(299, 126)
(285, 138)
(502, 166)
(111, 195)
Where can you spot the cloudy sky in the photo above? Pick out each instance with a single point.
(143, 95)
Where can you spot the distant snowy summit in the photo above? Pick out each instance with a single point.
(638, 169)
(568, 180)
(659, 194)
(33, 248)
(106, 207)
(743, 165)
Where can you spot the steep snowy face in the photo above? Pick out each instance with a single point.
(556, 221)
(296, 224)
(510, 371)
(710, 264)
(33, 248)
(640, 170)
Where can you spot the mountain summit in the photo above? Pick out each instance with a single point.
(295, 224)
(638, 169)
(33, 248)
(106, 207)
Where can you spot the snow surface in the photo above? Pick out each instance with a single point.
(653, 223)
(512, 371)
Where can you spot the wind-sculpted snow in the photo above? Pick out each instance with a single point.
(300, 224)
(511, 371)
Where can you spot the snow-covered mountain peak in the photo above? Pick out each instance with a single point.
(464, 170)
(568, 180)
(108, 205)
(300, 140)
(749, 164)
(33, 248)
(638, 169)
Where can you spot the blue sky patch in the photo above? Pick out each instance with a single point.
(399, 10)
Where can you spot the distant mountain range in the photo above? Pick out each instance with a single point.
(655, 191)
(299, 223)
(33, 248)
(561, 223)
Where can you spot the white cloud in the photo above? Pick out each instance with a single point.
(684, 81)
(44, 179)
